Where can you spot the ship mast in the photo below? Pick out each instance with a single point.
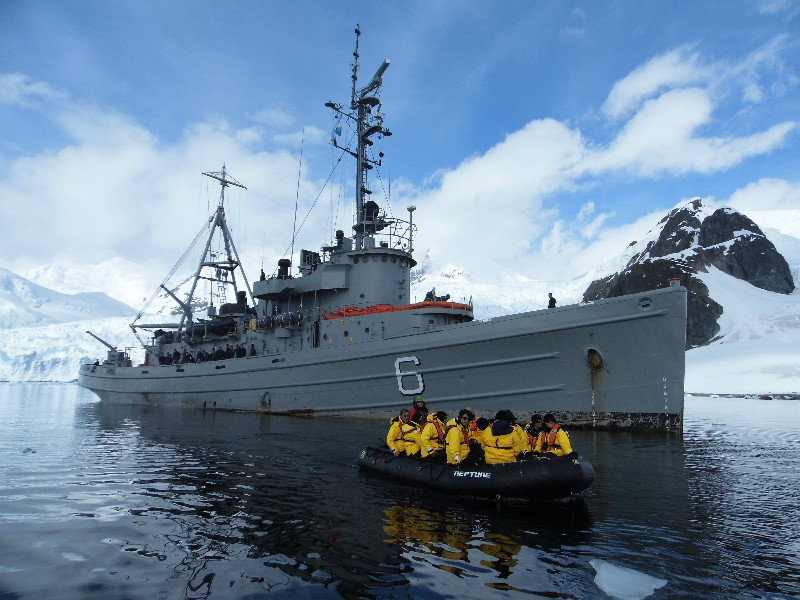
(232, 262)
(367, 125)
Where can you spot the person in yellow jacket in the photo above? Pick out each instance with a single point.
(501, 443)
(534, 429)
(481, 424)
(458, 437)
(431, 440)
(403, 436)
(553, 440)
(523, 441)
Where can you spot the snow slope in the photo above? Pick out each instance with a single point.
(23, 302)
(120, 278)
(757, 350)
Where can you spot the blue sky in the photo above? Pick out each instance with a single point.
(533, 136)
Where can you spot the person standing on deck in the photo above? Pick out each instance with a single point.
(551, 303)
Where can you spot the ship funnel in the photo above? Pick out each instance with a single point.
(283, 268)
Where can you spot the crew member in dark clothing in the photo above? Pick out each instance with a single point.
(551, 303)
(418, 406)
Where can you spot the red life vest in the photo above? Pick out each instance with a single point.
(439, 430)
(550, 438)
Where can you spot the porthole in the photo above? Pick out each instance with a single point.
(384, 259)
(374, 259)
(346, 334)
(355, 260)
(594, 359)
(324, 336)
(366, 330)
(361, 296)
(394, 259)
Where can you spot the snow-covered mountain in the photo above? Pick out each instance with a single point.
(691, 240)
(755, 349)
(24, 303)
(122, 279)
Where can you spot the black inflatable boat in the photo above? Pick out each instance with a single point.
(537, 477)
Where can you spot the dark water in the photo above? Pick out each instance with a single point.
(127, 502)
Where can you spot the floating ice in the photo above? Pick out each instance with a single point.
(623, 583)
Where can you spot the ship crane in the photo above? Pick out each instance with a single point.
(229, 262)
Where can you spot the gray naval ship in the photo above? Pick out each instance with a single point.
(341, 335)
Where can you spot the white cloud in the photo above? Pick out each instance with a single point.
(769, 7)
(117, 190)
(767, 194)
(499, 196)
(662, 138)
(309, 135)
(496, 197)
(684, 67)
(676, 68)
(18, 89)
(274, 117)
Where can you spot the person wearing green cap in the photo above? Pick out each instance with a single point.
(418, 406)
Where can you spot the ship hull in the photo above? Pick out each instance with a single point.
(614, 363)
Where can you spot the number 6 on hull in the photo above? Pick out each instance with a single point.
(401, 374)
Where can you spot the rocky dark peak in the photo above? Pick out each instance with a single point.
(723, 225)
(678, 233)
(691, 241)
